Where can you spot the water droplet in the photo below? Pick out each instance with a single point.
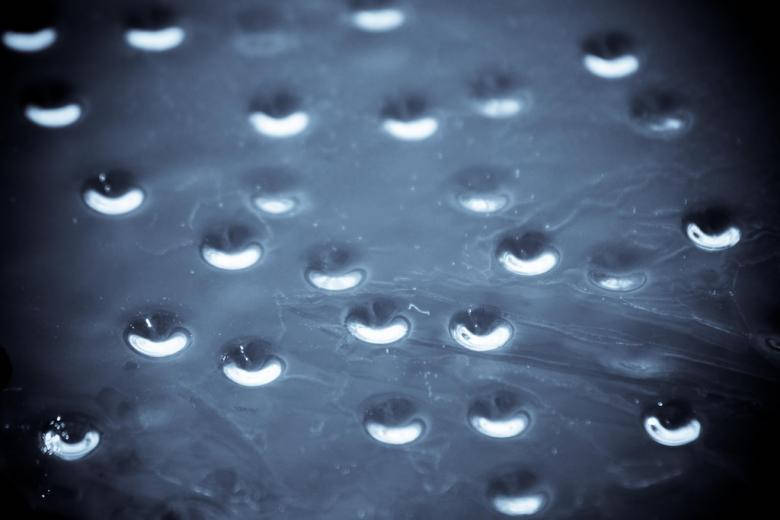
(278, 115)
(483, 202)
(378, 323)
(496, 95)
(498, 415)
(157, 334)
(153, 30)
(610, 55)
(30, 27)
(52, 105)
(69, 437)
(660, 114)
(406, 119)
(112, 193)
(275, 192)
(376, 15)
(250, 362)
(279, 205)
(672, 423)
(331, 268)
(261, 32)
(30, 41)
(481, 190)
(480, 329)
(527, 254)
(711, 229)
(615, 268)
(516, 493)
(617, 282)
(394, 421)
(231, 248)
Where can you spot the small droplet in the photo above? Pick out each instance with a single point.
(154, 30)
(498, 415)
(660, 114)
(69, 438)
(617, 282)
(331, 268)
(278, 115)
(249, 362)
(52, 105)
(378, 323)
(672, 423)
(712, 229)
(528, 254)
(480, 329)
(376, 15)
(393, 421)
(516, 494)
(231, 248)
(406, 119)
(157, 334)
(112, 193)
(610, 55)
(277, 206)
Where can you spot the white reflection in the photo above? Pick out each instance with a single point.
(496, 338)
(275, 205)
(415, 130)
(114, 205)
(718, 242)
(614, 68)
(395, 434)
(168, 347)
(336, 282)
(500, 428)
(281, 127)
(520, 505)
(30, 42)
(378, 20)
(685, 434)
(268, 373)
(248, 257)
(155, 41)
(483, 203)
(531, 267)
(498, 108)
(55, 445)
(390, 333)
(53, 117)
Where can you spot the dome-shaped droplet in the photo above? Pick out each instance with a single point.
(481, 190)
(393, 420)
(112, 193)
(378, 323)
(30, 26)
(711, 229)
(275, 192)
(69, 437)
(527, 254)
(616, 267)
(157, 334)
(672, 423)
(660, 114)
(498, 415)
(276, 205)
(332, 268)
(52, 105)
(516, 493)
(376, 15)
(610, 55)
(278, 115)
(154, 29)
(251, 362)
(496, 95)
(481, 329)
(407, 119)
(232, 248)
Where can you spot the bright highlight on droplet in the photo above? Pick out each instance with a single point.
(614, 68)
(234, 261)
(716, 242)
(275, 205)
(483, 202)
(155, 40)
(415, 130)
(336, 282)
(125, 203)
(396, 435)
(520, 505)
(53, 117)
(163, 348)
(264, 375)
(30, 41)
(378, 20)
(498, 336)
(530, 267)
(685, 434)
(499, 108)
(618, 283)
(280, 127)
(396, 330)
(55, 445)
(500, 428)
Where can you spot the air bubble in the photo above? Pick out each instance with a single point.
(495, 95)
(528, 254)
(154, 30)
(672, 423)
(376, 15)
(378, 323)
(660, 114)
(232, 248)
(480, 329)
(516, 493)
(393, 421)
(406, 119)
(610, 55)
(278, 116)
(112, 193)
(52, 105)
(69, 438)
(498, 415)
(157, 334)
(331, 269)
(712, 229)
(249, 362)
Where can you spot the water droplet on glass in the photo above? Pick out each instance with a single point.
(112, 193)
(376, 15)
(394, 421)
(660, 114)
(610, 55)
(711, 229)
(498, 415)
(278, 115)
(231, 248)
(481, 190)
(527, 254)
(52, 105)
(331, 268)
(516, 493)
(378, 323)
(617, 282)
(496, 95)
(250, 362)
(672, 423)
(30, 27)
(69, 437)
(480, 329)
(483, 202)
(154, 30)
(157, 334)
(406, 118)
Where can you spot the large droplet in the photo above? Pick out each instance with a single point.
(30, 27)
(112, 193)
(331, 268)
(393, 420)
(672, 423)
(496, 95)
(610, 55)
(69, 437)
(157, 334)
(481, 329)
(711, 229)
(232, 248)
(378, 323)
(278, 115)
(498, 415)
(406, 118)
(154, 30)
(527, 254)
(517, 493)
(376, 15)
(52, 105)
(251, 362)
(660, 114)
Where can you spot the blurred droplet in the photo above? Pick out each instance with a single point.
(610, 55)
